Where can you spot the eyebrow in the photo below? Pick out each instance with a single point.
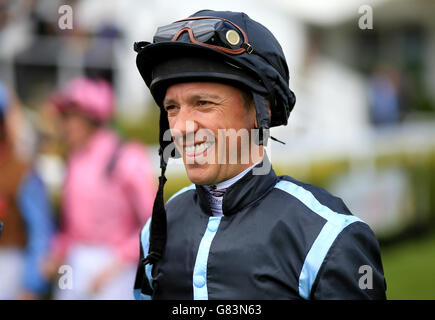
(168, 102)
(205, 96)
(199, 96)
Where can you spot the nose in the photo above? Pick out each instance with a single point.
(184, 124)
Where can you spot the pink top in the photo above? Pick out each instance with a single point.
(103, 210)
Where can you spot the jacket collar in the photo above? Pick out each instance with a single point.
(244, 192)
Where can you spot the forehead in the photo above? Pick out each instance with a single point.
(74, 113)
(188, 89)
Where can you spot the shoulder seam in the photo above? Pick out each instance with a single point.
(335, 224)
(309, 200)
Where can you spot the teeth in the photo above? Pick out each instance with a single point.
(198, 148)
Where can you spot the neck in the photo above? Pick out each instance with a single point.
(229, 182)
(255, 158)
(241, 193)
(85, 140)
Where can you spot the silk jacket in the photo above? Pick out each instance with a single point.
(279, 238)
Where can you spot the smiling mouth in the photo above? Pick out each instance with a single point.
(198, 149)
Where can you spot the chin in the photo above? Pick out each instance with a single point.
(200, 174)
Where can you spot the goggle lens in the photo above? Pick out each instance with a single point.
(217, 33)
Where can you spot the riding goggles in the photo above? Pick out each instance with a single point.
(213, 32)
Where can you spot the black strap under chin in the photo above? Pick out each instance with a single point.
(158, 229)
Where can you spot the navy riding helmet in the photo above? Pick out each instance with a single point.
(219, 46)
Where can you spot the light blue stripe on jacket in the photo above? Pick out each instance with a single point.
(336, 222)
(200, 291)
(145, 242)
(145, 239)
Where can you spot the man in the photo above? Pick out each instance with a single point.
(239, 231)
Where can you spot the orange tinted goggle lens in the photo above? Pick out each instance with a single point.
(216, 33)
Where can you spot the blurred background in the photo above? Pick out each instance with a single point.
(363, 126)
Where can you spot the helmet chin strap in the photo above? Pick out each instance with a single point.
(158, 230)
(263, 119)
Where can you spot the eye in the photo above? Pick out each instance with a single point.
(170, 107)
(203, 102)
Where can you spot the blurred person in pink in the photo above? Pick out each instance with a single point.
(107, 197)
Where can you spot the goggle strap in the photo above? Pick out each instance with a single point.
(245, 46)
(218, 48)
(245, 37)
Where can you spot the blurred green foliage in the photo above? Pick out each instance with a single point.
(144, 128)
(409, 268)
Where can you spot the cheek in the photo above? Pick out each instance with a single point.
(67, 127)
(241, 120)
(75, 129)
(72, 126)
(171, 121)
(175, 134)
